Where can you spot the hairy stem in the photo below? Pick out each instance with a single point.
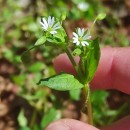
(87, 104)
(90, 115)
(86, 91)
(73, 62)
(33, 118)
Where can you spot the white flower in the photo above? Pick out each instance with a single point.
(50, 25)
(81, 37)
(83, 6)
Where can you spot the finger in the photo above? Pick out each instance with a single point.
(69, 124)
(62, 63)
(123, 124)
(113, 71)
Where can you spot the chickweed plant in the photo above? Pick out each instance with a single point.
(85, 46)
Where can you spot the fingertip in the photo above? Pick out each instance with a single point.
(102, 78)
(122, 124)
(62, 64)
(113, 70)
(69, 124)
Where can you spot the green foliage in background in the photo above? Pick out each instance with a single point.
(19, 30)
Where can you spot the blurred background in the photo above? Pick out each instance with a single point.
(25, 106)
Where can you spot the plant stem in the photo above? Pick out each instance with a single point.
(73, 62)
(87, 105)
(86, 91)
(33, 118)
(90, 115)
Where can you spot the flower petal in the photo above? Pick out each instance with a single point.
(82, 32)
(43, 25)
(45, 22)
(75, 34)
(55, 28)
(85, 43)
(77, 43)
(49, 20)
(75, 38)
(79, 32)
(56, 25)
(52, 21)
(89, 37)
(45, 29)
(53, 32)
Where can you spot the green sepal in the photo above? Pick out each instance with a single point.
(58, 39)
(40, 41)
(77, 52)
(101, 16)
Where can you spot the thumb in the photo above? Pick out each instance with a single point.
(69, 124)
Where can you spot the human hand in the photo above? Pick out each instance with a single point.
(113, 73)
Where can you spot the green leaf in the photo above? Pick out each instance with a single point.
(102, 97)
(19, 79)
(92, 60)
(25, 128)
(50, 116)
(39, 94)
(36, 67)
(61, 82)
(101, 16)
(22, 119)
(40, 41)
(75, 94)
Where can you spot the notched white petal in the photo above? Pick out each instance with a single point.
(79, 32)
(89, 37)
(49, 20)
(75, 34)
(53, 32)
(75, 38)
(56, 25)
(52, 21)
(45, 22)
(82, 32)
(77, 43)
(82, 43)
(45, 29)
(43, 26)
(85, 42)
(55, 28)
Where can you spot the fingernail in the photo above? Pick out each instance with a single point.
(57, 127)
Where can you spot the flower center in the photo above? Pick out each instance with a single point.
(80, 39)
(50, 29)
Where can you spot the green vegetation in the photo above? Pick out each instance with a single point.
(20, 29)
